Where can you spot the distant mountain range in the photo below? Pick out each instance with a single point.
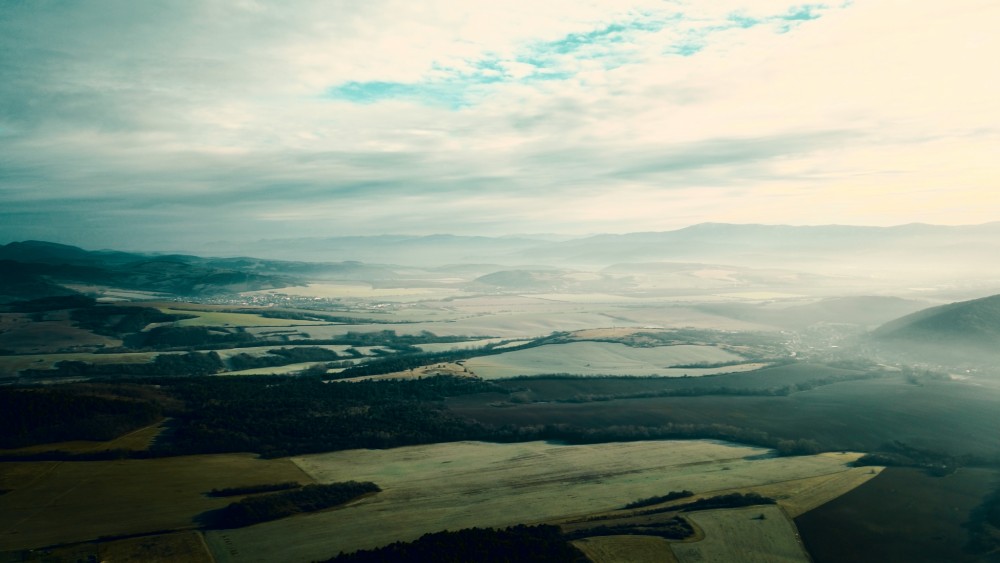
(35, 269)
(845, 259)
(912, 247)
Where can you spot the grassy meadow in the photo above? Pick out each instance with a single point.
(603, 358)
(463, 484)
(626, 549)
(754, 534)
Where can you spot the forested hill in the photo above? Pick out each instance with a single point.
(975, 321)
(962, 328)
(34, 269)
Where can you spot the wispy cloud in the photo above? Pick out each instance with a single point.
(608, 45)
(153, 124)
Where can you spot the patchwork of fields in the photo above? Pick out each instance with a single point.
(464, 484)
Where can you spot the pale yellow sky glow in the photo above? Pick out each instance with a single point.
(234, 120)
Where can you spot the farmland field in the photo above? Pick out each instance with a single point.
(19, 332)
(219, 318)
(603, 358)
(754, 534)
(467, 345)
(273, 370)
(12, 364)
(63, 502)
(137, 440)
(464, 484)
(626, 549)
(363, 291)
(263, 350)
(174, 547)
(501, 325)
(903, 515)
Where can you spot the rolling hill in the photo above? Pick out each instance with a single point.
(968, 330)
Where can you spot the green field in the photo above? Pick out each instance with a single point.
(463, 484)
(220, 318)
(755, 534)
(603, 358)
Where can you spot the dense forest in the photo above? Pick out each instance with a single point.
(42, 415)
(253, 489)
(984, 526)
(279, 416)
(675, 528)
(516, 544)
(272, 506)
(192, 363)
(650, 501)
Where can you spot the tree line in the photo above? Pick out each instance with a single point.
(192, 363)
(516, 544)
(273, 506)
(30, 416)
(278, 416)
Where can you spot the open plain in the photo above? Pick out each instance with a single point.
(754, 534)
(58, 502)
(455, 485)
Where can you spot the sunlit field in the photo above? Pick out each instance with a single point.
(463, 484)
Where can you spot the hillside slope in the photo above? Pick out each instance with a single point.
(966, 331)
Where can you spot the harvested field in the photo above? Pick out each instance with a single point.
(674, 315)
(110, 294)
(452, 369)
(64, 502)
(795, 496)
(274, 370)
(626, 549)
(360, 290)
(137, 440)
(218, 318)
(799, 497)
(606, 333)
(263, 350)
(466, 345)
(463, 484)
(902, 515)
(502, 325)
(178, 547)
(604, 358)
(754, 534)
(25, 336)
(11, 364)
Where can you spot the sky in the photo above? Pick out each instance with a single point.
(161, 125)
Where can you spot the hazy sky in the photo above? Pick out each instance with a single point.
(156, 125)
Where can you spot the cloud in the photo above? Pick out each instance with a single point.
(156, 124)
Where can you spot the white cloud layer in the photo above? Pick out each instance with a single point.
(157, 125)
